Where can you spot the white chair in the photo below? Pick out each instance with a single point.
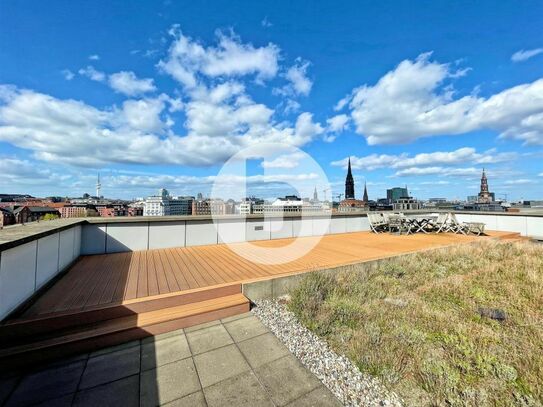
(377, 222)
(457, 227)
(442, 223)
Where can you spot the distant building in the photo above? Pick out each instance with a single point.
(352, 205)
(78, 211)
(437, 200)
(365, 196)
(472, 198)
(250, 205)
(6, 217)
(349, 183)
(292, 204)
(165, 205)
(484, 195)
(393, 194)
(25, 214)
(406, 204)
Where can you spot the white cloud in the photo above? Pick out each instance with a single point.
(297, 75)
(343, 102)
(187, 59)
(415, 100)
(218, 123)
(68, 75)
(91, 73)
(524, 55)
(338, 123)
(94, 57)
(442, 171)
(128, 83)
(284, 161)
(459, 156)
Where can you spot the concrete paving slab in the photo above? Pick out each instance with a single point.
(245, 328)
(286, 379)
(208, 339)
(201, 326)
(220, 364)
(124, 392)
(192, 400)
(236, 317)
(111, 366)
(47, 384)
(165, 335)
(115, 348)
(167, 383)
(320, 397)
(243, 390)
(164, 351)
(263, 349)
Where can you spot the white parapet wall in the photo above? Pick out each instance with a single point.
(526, 225)
(27, 267)
(119, 236)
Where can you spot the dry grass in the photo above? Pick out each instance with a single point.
(414, 323)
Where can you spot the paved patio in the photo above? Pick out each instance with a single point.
(233, 362)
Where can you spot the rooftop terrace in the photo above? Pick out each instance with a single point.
(76, 286)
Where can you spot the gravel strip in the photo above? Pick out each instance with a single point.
(345, 381)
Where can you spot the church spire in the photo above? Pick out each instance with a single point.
(349, 183)
(365, 197)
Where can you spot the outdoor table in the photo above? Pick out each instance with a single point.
(420, 222)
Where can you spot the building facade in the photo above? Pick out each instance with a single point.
(394, 194)
(165, 205)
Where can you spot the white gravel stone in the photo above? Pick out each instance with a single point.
(337, 372)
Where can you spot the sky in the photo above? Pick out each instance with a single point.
(154, 94)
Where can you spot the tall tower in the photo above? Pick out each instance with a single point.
(349, 183)
(98, 186)
(315, 196)
(365, 197)
(484, 194)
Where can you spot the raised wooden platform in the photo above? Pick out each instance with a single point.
(125, 278)
(107, 299)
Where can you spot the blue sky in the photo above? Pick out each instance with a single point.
(161, 94)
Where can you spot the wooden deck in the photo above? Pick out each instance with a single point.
(105, 280)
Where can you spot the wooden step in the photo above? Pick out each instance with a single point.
(114, 331)
(18, 329)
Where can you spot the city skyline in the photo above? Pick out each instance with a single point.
(165, 97)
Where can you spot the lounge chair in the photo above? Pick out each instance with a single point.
(442, 223)
(377, 222)
(456, 226)
(476, 228)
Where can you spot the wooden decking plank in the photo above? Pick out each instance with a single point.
(143, 287)
(152, 278)
(114, 291)
(102, 279)
(199, 269)
(185, 256)
(131, 289)
(182, 271)
(169, 272)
